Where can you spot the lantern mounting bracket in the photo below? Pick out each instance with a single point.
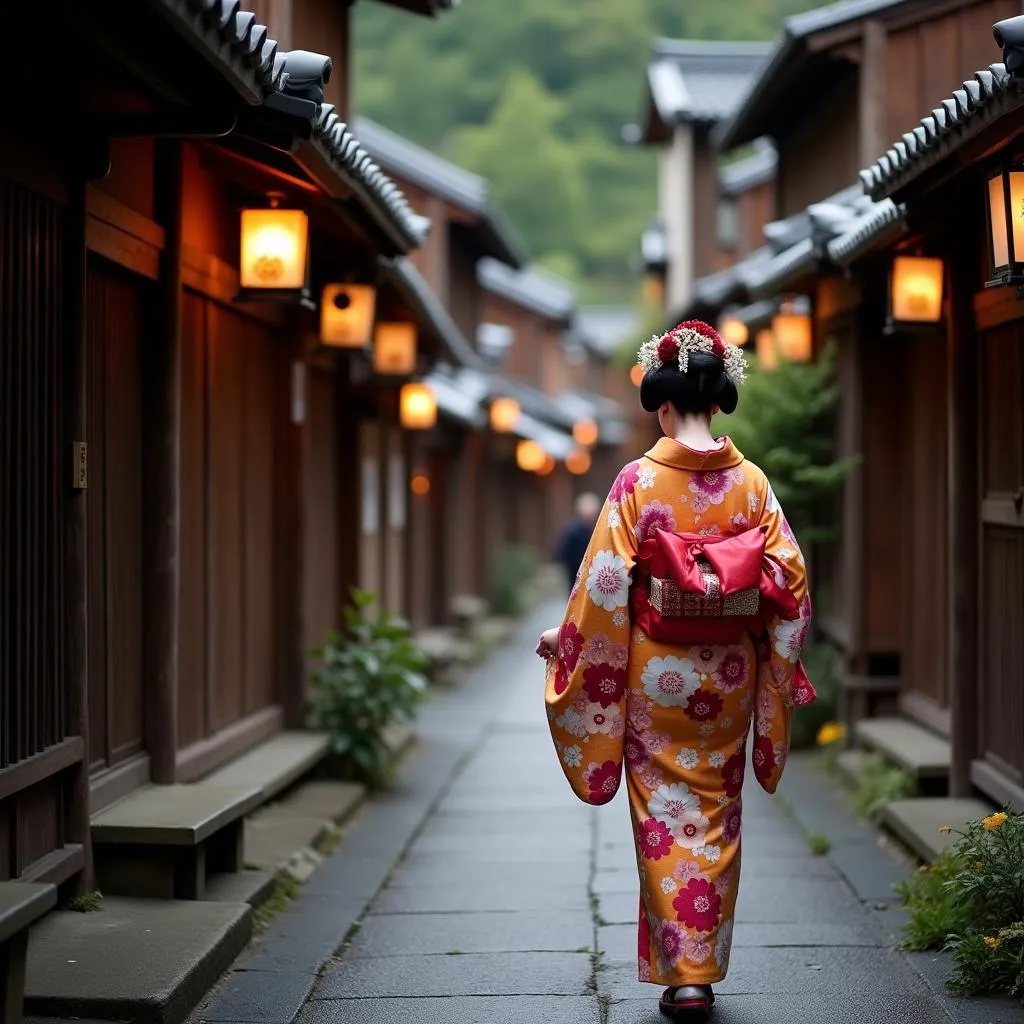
(285, 296)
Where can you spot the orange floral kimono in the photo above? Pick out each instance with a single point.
(677, 716)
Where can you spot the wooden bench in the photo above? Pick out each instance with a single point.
(164, 842)
(21, 905)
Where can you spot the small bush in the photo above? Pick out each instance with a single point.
(365, 680)
(880, 784)
(971, 901)
(514, 567)
(929, 901)
(820, 844)
(87, 903)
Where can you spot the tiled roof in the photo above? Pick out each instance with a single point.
(870, 230)
(756, 169)
(696, 80)
(441, 177)
(292, 83)
(783, 64)
(957, 119)
(532, 288)
(605, 329)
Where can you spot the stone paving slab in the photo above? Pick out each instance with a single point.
(803, 1008)
(468, 1010)
(267, 996)
(471, 974)
(569, 931)
(419, 870)
(453, 899)
(826, 971)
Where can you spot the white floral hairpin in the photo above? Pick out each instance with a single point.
(692, 336)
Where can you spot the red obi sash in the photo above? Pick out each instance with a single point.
(692, 589)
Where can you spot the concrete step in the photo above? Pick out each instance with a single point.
(281, 835)
(275, 765)
(254, 887)
(906, 744)
(917, 822)
(168, 954)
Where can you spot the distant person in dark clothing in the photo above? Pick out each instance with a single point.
(573, 545)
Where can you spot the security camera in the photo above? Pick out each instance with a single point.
(1009, 34)
(308, 73)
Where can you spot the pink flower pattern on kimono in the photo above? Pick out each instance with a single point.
(636, 753)
(639, 709)
(731, 825)
(710, 487)
(655, 516)
(671, 941)
(739, 521)
(570, 645)
(697, 951)
(733, 670)
(654, 742)
(625, 482)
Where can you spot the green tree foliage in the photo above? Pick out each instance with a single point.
(782, 425)
(533, 94)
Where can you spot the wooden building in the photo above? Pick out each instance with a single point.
(178, 526)
(922, 616)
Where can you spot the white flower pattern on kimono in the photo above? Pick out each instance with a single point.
(670, 681)
(723, 945)
(668, 885)
(598, 719)
(712, 854)
(572, 722)
(691, 830)
(688, 758)
(791, 634)
(614, 517)
(716, 759)
(646, 477)
(573, 756)
(619, 619)
(670, 803)
(608, 581)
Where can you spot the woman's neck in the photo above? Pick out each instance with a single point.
(695, 433)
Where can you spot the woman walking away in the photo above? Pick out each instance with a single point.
(686, 623)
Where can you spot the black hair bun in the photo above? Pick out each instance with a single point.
(704, 386)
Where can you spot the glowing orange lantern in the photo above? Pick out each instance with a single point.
(636, 374)
(275, 246)
(346, 315)
(734, 331)
(767, 357)
(578, 461)
(585, 433)
(549, 466)
(530, 457)
(504, 415)
(915, 290)
(417, 407)
(420, 485)
(793, 333)
(394, 349)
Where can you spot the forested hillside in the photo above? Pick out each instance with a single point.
(533, 94)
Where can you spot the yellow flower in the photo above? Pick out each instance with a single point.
(992, 942)
(993, 821)
(830, 732)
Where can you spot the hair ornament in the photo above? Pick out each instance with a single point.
(692, 336)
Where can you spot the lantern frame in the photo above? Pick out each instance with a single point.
(254, 293)
(404, 395)
(1010, 272)
(408, 330)
(894, 325)
(328, 295)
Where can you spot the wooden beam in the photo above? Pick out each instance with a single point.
(76, 620)
(963, 412)
(161, 460)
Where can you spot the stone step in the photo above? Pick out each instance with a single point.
(917, 822)
(275, 765)
(278, 835)
(169, 953)
(906, 744)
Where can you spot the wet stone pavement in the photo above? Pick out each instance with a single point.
(511, 902)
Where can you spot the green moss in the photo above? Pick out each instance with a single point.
(87, 903)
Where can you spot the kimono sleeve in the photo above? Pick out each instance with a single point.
(585, 689)
(779, 670)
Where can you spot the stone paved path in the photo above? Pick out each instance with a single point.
(510, 887)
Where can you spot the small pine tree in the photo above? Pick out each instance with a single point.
(782, 424)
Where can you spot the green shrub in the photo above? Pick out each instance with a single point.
(514, 567)
(928, 898)
(363, 681)
(971, 902)
(820, 845)
(881, 783)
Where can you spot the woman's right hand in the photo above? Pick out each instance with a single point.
(547, 646)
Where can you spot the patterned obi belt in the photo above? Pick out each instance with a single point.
(694, 589)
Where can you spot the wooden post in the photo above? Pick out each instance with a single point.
(76, 651)
(872, 105)
(161, 430)
(963, 382)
